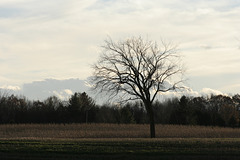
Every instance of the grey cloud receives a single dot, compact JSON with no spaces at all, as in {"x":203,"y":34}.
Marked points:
{"x":49,"y":87}
{"x":63,"y":89}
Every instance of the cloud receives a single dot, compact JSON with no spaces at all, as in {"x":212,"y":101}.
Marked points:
{"x":208,"y":92}
{"x":61,"y":39}
{"x":206,"y":46}
{"x":63,"y":94}
{"x":49,"y":87}
{"x":11,"y":88}
{"x":68,"y":91}
{"x":63,"y":89}
{"x":205,"y":92}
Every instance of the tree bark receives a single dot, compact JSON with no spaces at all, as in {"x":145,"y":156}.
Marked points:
{"x":151,"y":119}
{"x":152,"y":124}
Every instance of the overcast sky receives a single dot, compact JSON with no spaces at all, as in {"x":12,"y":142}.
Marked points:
{"x":60,"y":39}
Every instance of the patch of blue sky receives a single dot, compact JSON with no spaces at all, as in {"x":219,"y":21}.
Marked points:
{"x":10,"y":12}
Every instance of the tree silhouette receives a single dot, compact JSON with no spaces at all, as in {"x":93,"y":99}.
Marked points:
{"x":79,"y":106}
{"x":138,"y":69}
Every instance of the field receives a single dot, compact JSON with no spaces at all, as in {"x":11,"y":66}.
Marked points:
{"x":79,"y":131}
{"x":112,"y":141}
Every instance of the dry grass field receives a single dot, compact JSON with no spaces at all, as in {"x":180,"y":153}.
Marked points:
{"x":79,"y":131}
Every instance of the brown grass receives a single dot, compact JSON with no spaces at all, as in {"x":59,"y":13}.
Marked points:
{"x":77,"y":131}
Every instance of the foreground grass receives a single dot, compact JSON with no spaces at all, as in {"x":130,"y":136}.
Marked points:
{"x":113,"y":141}
{"x":121,"y":149}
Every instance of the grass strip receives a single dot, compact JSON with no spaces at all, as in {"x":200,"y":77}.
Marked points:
{"x":120,"y":148}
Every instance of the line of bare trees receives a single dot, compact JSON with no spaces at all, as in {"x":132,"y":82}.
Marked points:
{"x":80,"y":108}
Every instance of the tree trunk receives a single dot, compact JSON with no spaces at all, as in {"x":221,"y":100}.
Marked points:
{"x":152,"y":124}
{"x":86,"y":116}
{"x":151,"y":119}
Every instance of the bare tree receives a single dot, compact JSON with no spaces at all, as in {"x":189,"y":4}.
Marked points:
{"x":138,"y":69}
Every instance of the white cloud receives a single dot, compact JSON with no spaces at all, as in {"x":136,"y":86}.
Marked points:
{"x":207,"y":92}
{"x":63,"y":94}
{"x":59,"y":95}
{"x":88,"y":84}
{"x":60,"y":39}
{"x":68,"y":91}
{"x":12,"y":88}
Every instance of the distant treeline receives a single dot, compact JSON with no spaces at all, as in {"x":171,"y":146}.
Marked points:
{"x":80,"y":108}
